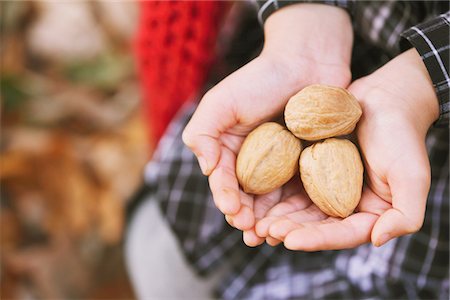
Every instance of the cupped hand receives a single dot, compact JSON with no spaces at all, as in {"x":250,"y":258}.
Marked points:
{"x":301,"y":225}
{"x":399,"y":105}
{"x":296,"y":53}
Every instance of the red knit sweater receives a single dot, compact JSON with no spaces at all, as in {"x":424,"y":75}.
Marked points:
{"x":175,"y":47}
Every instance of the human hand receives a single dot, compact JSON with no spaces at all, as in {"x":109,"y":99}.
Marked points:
{"x":399,"y":105}
{"x":296,"y":53}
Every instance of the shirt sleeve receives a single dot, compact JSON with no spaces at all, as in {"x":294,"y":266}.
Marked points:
{"x":267,"y":7}
{"x":431,"y":40}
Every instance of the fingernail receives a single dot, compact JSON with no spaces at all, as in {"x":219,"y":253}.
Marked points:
{"x":384,"y":238}
{"x":203,"y":165}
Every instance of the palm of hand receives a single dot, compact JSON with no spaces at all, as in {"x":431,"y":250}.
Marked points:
{"x":302,"y":226}
{"x":393,"y":198}
{"x":233,"y":123}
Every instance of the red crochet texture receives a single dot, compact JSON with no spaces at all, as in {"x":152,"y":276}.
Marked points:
{"x":175,"y":49}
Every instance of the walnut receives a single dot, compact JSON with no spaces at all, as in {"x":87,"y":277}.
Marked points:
{"x":332,"y":175}
{"x":267,"y":159}
{"x":321,"y":111}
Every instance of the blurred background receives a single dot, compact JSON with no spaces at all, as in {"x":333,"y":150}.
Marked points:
{"x":73,"y":146}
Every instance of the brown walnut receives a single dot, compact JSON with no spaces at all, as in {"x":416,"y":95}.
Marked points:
{"x":320,"y":111}
{"x":332,"y":175}
{"x":267,"y":159}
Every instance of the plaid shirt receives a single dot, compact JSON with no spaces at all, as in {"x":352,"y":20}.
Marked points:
{"x":413,"y":266}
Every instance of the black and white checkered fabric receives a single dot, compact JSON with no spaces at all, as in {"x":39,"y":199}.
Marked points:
{"x":411,"y":267}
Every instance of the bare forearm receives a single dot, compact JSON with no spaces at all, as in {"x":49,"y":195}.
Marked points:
{"x":407,"y":78}
{"x":317,"y":33}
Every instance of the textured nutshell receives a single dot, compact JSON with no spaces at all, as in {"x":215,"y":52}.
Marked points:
{"x":332,"y":174}
{"x":267,"y":159}
{"x":320,"y":111}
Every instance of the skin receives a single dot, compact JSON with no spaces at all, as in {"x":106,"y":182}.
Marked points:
{"x":399,"y":105}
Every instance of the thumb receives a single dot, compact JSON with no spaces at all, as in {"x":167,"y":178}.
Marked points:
{"x":218,"y":110}
{"x":203,"y":131}
{"x":247,"y":97}
{"x":409,"y":181}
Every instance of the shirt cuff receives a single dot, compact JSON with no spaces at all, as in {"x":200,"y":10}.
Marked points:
{"x":267,"y":7}
{"x":431,"y":40}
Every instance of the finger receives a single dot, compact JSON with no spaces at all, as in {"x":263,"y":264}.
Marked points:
{"x":339,"y":234}
{"x":286,"y":224}
{"x":224,"y":185}
{"x":263,"y":225}
{"x":202,"y":133}
{"x":281,"y":228}
{"x":233,"y":141}
{"x":229,"y":220}
{"x":409,"y":182}
{"x":264,"y":203}
{"x":244,"y":219}
{"x":251,"y":239}
{"x":290,"y":205}
{"x":220,"y":109}
{"x":272,"y":242}
{"x":310,"y":214}
{"x":372,"y":203}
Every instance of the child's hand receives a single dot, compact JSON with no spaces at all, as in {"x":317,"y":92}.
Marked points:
{"x":399,"y":105}
{"x":305,"y":44}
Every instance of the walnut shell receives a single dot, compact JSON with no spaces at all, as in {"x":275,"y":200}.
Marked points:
{"x":321,"y":111}
{"x":267,"y":159}
{"x":332,"y":174}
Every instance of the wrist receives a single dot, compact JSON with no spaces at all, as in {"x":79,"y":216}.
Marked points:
{"x":402,"y":89}
{"x":316,"y":31}
{"x":312,"y":41}
{"x":428,"y":99}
